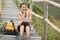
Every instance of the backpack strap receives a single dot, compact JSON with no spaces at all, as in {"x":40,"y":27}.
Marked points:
{"x":14,"y":27}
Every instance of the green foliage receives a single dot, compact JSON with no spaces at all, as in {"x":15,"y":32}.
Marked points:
{"x":38,"y":24}
{"x":39,"y":28}
{"x":37,"y":10}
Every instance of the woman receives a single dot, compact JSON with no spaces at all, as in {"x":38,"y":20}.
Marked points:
{"x":25,"y":18}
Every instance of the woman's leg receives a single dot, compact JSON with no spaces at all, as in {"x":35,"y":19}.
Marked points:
{"x":21,"y":30}
{"x":28,"y":31}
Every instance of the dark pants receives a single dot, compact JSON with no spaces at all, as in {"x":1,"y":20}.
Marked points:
{"x":25,"y":24}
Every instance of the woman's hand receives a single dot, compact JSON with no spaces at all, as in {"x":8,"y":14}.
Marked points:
{"x":23,"y":12}
{"x":29,"y":17}
{"x":19,"y":22}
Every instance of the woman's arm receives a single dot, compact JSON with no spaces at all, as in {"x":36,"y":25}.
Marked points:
{"x":21,"y":17}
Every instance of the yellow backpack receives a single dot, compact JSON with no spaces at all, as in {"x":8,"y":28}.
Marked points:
{"x":9,"y":26}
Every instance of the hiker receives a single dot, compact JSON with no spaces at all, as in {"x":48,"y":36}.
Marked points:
{"x":25,"y":17}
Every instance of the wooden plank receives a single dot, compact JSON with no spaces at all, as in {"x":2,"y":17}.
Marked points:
{"x":10,"y":37}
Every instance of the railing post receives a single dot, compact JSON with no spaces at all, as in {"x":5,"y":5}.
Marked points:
{"x":0,"y":7}
{"x":23,"y":1}
{"x":31,"y":4}
{"x":44,"y":35}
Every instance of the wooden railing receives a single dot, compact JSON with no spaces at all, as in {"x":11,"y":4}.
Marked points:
{"x":50,"y":2}
{"x":50,"y":23}
{"x":53,"y":3}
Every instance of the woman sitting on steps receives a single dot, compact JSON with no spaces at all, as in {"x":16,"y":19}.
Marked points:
{"x":25,"y":17}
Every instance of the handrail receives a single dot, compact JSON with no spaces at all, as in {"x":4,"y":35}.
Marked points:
{"x":53,"y":26}
{"x":53,"y":3}
{"x":50,"y":23}
{"x":49,"y":1}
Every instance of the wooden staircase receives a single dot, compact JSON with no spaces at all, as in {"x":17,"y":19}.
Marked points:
{"x":10,"y":12}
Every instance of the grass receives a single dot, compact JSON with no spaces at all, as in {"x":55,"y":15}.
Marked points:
{"x":54,"y":12}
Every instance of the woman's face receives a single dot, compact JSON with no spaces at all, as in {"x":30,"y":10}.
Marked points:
{"x":24,"y":7}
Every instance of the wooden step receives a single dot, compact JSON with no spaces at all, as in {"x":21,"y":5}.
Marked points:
{"x":10,"y":37}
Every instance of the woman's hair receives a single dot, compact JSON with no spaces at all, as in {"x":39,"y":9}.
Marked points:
{"x":22,"y":4}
